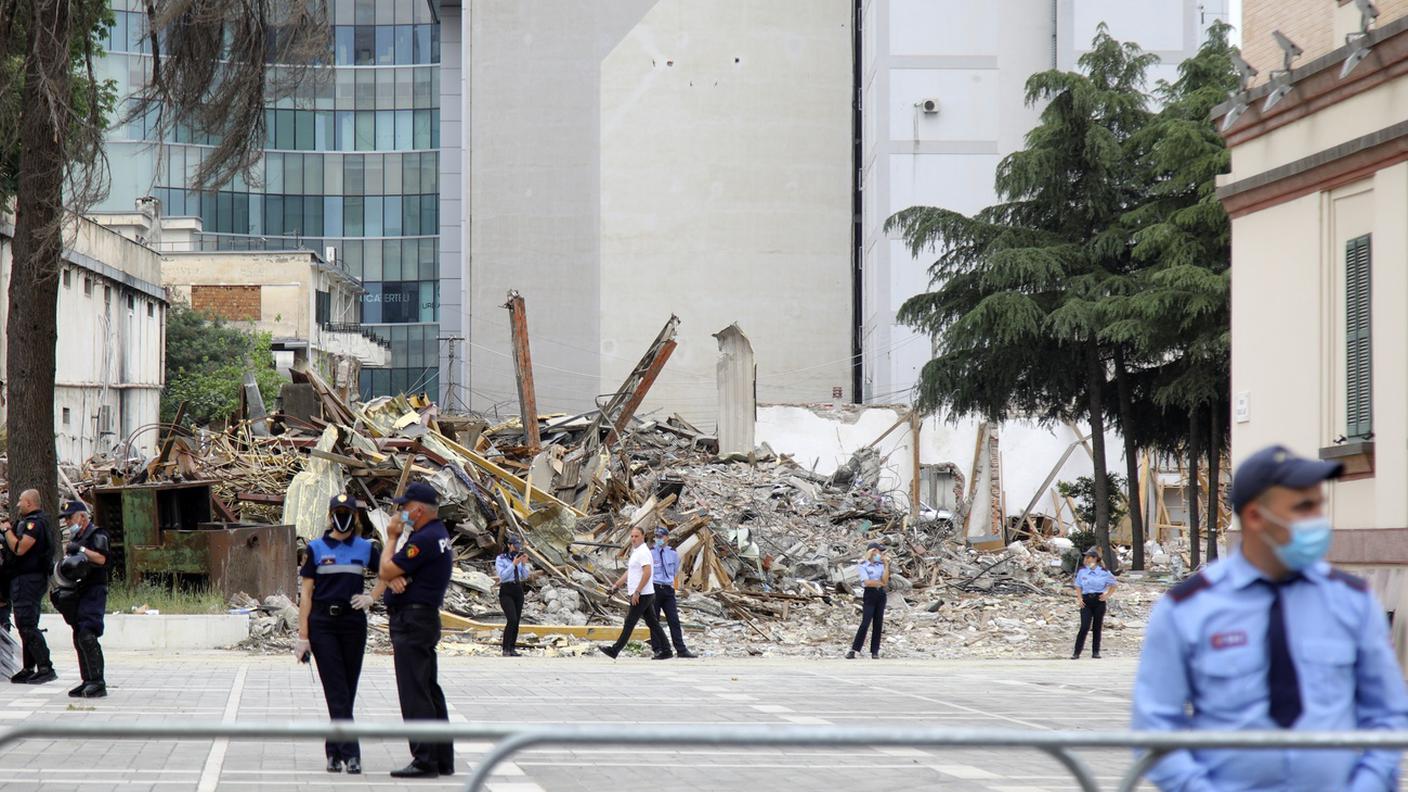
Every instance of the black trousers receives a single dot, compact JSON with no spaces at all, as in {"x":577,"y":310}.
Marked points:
{"x":645,"y":608}
{"x":511,"y":600}
{"x":872,"y":616}
{"x":414,"y":634}
{"x":25,"y":593}
{"x":665,"y":603}
{"x":339,"y":643}
{"x":1092,"y":618}
{"x":86,"y":619}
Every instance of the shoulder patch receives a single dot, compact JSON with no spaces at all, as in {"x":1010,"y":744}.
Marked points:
{"x":1188,"y":588}
{"x":412,"y":550}
{"x":1353,"y":581}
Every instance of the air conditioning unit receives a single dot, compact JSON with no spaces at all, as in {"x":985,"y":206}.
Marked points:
{"x":330,"y":254}
{"x":929,"y":106}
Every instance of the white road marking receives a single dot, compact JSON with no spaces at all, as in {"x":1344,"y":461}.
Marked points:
{"x":903,"y":752}
{"x":964,"y":771}
{"x":515,"y":787}
{"x":210,"y":774}
{"x":806,"y":720}
{"x":9,"y":714}
{"x":736,"y":696}
{"x":771,"y":708}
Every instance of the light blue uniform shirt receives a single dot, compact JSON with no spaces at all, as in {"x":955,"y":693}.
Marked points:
{"x":507,"y":573}
{"x":1094,"y":581}
{"x":871,"y":570}
{"x":1205,"y":646}
{"x":665,"y":564}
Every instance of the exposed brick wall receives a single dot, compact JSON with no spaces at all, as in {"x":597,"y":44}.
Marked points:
{"x":235,"y":303}
{"x":1309,"y":23}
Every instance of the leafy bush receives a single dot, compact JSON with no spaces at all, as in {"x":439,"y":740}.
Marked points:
{"x":206,"y":360}
{"x":1082,"y":491}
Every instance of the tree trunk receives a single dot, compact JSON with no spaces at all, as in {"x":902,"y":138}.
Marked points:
{"x":1214,"y":468}
{"x":1131,"y":461}
{"x":1095,"y":386}
{"x":1194,"y":549}
{"x":32,"y":326}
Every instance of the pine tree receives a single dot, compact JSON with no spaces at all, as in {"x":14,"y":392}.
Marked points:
{"x":1017,"y":305}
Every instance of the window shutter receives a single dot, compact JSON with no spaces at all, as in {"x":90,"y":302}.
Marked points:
{"x":1359,"y":380}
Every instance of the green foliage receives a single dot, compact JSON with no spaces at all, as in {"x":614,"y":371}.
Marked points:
{"x":1082,"y":492}
{"x":206,"y":361}
{"x":123,"y":596}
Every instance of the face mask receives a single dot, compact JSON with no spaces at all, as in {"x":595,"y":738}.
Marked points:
{"x":1310,"y":541}
{"x":406,"y":516}
{"x":342,"y":523}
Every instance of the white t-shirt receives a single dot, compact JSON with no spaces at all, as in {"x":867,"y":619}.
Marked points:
{"x":640,"y":558}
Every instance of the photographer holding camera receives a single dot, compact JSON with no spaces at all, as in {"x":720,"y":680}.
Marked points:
{"x":513,"y":570}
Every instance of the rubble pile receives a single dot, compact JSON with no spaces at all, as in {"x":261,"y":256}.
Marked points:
{"x":768,"y":549}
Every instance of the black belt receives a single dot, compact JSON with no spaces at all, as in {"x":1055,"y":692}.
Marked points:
{"x":334,"y":608}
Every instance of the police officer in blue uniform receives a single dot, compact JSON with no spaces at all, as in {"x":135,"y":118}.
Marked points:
{"x":32,"y":556}
{"x":665,"y":566}
{"x":1094,"y":585}
{"x":417,"y":576}
{"x":1272,"y":637}
{"x":90,"y":598}
{"x":874,"y":579}
{"x":332,"y":618}
{"x":513,"y":571}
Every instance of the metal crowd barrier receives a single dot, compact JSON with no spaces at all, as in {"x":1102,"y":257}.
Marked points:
{"x":512,"y":739}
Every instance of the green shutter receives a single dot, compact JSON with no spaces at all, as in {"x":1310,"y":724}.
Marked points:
{"x":1359,"y":380}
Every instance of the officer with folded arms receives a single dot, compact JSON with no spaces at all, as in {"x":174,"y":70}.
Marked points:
{"x":417,"y":576}
{"x":332,"y":618}
{"x":1272,"y":638}
{"x":32,"y":557}
{"x":88,"y":544}
{"x":513,"y":570}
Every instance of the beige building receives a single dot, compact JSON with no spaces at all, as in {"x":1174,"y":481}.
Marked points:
{"x":111,"y":341}
{"x":308,"y":306}
{"x":1318,"y":195}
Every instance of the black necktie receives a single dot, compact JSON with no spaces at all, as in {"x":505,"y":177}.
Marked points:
{"x":1282,"y":682}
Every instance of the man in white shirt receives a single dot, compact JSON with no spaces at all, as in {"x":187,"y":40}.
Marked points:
{"x":639,"y":585}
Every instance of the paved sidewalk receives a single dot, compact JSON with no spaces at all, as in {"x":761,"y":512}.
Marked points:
{"x":1038,"y":694}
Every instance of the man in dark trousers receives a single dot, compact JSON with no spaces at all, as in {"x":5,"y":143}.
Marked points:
{"x":417,"y":576}
{"x":665,"y":565}
{"x":640,"y":584}
{"x":91,"y":541}
{"x":875,"y":578}
{"x":31,"y":553}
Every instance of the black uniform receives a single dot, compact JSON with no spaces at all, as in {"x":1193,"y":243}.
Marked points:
{"x":90,"y":603}
{"x":337,"y":632}
{"x":29,"y":581}
{"x":415,"y":630}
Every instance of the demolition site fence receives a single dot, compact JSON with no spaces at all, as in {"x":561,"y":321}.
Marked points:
{"x":510,"y":740}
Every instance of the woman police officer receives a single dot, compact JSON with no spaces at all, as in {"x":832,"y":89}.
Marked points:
{"x":1094,"y":584}
{"x":332,"y":619}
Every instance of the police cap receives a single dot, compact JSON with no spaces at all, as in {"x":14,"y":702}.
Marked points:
{"x":419,"y":492}
{"x":1277,"y":466}
{"x":73,"y":507}
{"x":342,"y":502}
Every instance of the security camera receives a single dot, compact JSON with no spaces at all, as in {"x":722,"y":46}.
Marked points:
{"x":929,"y":106}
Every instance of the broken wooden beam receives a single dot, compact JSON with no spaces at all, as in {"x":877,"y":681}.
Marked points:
{"x":523,"y":369}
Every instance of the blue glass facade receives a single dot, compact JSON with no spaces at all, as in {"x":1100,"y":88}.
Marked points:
{"x":351,"y":163}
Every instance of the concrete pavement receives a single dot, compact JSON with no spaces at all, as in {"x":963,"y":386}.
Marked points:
{"x":1037,"y":694}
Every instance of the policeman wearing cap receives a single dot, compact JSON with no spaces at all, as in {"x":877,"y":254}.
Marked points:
{"x":90,"y":599}
{"x":332,"y":618}
{"x":874,"y":578}
{"x":664,"y":567}
{"x":1094,"y":585}
{"x":31,"y":556}
{"x":1272,"y":637}
{"x":513,"y":570}
{"x":417,"y":575}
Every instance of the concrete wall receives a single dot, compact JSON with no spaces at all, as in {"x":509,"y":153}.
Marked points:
{"x":637,"y":158}
{"x":286,"y":282}
{"x":111,"y":341}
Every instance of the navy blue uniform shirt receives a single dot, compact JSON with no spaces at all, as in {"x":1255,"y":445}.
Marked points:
{"x":1205,"y":667}
{"x":39,"y":559}
{"x":426,"y":559}
{"x":338,"y":569}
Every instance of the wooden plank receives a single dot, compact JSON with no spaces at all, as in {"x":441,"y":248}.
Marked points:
{"x":638,"y":395}
{"x":523,"y":369}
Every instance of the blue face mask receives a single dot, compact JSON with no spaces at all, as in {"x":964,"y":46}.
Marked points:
{"x":1310,"y":541}
{"x":406,"y":516}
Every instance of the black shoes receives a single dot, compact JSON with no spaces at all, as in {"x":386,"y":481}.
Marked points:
{"x":662,"y":656}
{"x":89,"y":690}
{"x":22,"y":676}
{"x":447,"y":770}
{"x":41,"y":676}
{"x":685,"y":653}
{"x":851,"y":655}
{"x":511,"y":653}
{"x":874,"y":655}
{"x":78,"y":691}
{"x":354,"y":766}
{"x":609,"y":651}
{"x":334,"y":765}
{"x":414,"y":770}
{"x":1095,"y":656}
{"x":1075,"y":656}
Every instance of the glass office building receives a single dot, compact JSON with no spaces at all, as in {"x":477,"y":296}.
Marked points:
{"x":351,"y":170}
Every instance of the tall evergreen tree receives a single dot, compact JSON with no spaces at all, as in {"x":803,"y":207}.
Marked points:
{"x":1016,"y":310}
